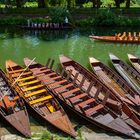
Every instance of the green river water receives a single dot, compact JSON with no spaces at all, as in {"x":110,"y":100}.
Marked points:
{"x":16,"y":44}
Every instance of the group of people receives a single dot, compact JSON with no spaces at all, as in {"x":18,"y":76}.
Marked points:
{"x":128,"y":36}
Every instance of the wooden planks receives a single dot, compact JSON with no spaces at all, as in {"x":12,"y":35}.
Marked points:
{"x":35,"y":93}
{"x":40,"y":100}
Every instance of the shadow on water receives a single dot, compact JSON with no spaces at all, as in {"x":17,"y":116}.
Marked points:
{"x":11,"y":32}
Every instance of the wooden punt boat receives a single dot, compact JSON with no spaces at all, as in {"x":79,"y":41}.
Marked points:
{"x":135,"y":40}
{"x":39,"y":98}
{"x":116,"y":83}
{"x":127,"y":72}
{"x":135,"y":61}
{"x":80,"y":101}
{"x":12,"y":107}
{"x":112,"y":101}
{"x":46,"y":26}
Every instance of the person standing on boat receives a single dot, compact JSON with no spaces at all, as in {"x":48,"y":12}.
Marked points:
{"x":28,"y":22}
{"x":66,"y":23}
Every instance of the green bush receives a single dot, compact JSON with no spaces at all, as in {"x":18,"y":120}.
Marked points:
{"x":31,"y":4}
{"x":58,"y":14}
{"x":105,"y":18}
{"x":12,"y":21}
{"x":85,"y":22}
{"x":39,"y":20}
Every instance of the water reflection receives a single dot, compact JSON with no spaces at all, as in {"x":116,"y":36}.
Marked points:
{"x":17,"y":44}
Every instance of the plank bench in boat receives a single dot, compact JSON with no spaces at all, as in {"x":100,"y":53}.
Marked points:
{"x":77,"y":97}
{"x":51,"y":79}
{"x":26,"y":78}
{"x":57,"y":83}
{"x":90,"y":111}
{"x":61,"y":88}
{"x":67,"y":93}
{"x":18,"y":74}
{"x":84,"y":103}
{"x":39,"y":99}
{"x":32,"y":88}
{"x":94,"y":107}
{"x":42,"y":71}
{"x":28,"y":83}
{"x":35,"y":93}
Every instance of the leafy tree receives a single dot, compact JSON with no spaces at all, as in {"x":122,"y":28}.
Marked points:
{"x":41,"y":4}
{"x":94,"y":3}
{"x":18,"y":3}
{"x":117,"y":2}
{"x":127,"y":3}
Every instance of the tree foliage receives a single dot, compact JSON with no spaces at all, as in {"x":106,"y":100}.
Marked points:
{"x":72,"y":3}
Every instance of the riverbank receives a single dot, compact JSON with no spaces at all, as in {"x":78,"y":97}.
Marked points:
{"x":82,"y":17}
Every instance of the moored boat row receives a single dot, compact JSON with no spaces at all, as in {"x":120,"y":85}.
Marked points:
{"x":46,"y":26}
{"x":105,"y":99}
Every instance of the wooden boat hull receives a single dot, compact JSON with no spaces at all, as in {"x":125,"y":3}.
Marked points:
{"x":71,"y":64}
{"x":117,"y":84}
{"x":18,"y":116}
{"x":127,"y":72}
{"x":112,"y":39}
{"x":57,"y":117}
{"x":135,"y":61}
{"x":111,"y":124}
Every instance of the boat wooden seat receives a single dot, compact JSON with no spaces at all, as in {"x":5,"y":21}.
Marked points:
{"x":52,"y":79}
{"x":67,"y":93}
{"x":84,"y":103}
{"x":18,"y":74}
{"x":40,"y":99}
{"x":50,"y":74}
{"x":26,"y":78}
{"x":32,"y":88}
{"x":28,"y":83}
{"x":50,"y":107}
{"x":57,"y":83}
{"x":42,"y":71}
{"x":35,"y":93}
{"x":34,"y":69}
{"x":92,"y":110}
{"x":16,"y":71}
{"x":42,"y":68}
{"x":7,"y":102}
{"x":63,"y":87}
{"x":15,"y":98}
{"x":75,"y":98}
